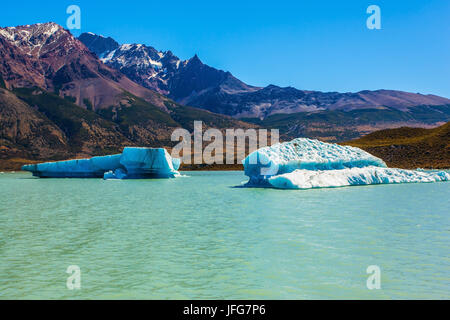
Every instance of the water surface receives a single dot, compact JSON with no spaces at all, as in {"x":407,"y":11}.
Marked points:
{"x":197,"y":237}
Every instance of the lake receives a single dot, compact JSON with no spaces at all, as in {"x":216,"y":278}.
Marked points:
{"x":199,"y":237}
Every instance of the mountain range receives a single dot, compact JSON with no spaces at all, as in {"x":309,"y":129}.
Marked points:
{"x":62,"y":97}
{"x":194,"y":83}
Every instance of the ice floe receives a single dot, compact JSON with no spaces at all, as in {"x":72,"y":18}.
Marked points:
{"x":306,"y":179}
{"x":306,"y":163}
{"x":132,"y":163}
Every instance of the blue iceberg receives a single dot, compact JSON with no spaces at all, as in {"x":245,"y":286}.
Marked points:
{"x":132,"y":163}
{"x":306,"y":163}
{"x":139,"y":163}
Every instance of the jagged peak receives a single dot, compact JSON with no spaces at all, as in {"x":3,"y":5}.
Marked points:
{"x":91,"y":34}
{"x":136,"y":46}
{"x":47,"y":27}
{"x":26,"y":32}
{"x":30,"y":39}
{"x":195,"y":59}
{"x":94,"y":35}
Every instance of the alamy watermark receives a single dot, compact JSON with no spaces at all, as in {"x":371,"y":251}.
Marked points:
{"x":74,"y":280}
{"x":212,"y":147}
{"x":374,"y":280}
{"x":74,"y":20}
{"x":374,"y":20}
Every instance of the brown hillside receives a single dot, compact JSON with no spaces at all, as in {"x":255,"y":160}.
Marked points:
{"x":409,"y":147}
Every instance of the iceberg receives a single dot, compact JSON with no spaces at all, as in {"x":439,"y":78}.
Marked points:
{"x":307,"y":179}
{"x":80,"y":168}
{"x":139,"y":163}
{"x":305,"y":163}
{"x":132,"y":163}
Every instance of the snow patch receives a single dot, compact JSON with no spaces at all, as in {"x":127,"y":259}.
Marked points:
{"x":108,"y":57}
{"x":6,"y":34}
{"x":125,"y":47}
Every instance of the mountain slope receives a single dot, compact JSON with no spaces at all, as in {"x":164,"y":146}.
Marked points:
{"x":83,"y":131}
{"x":273,"y":100}
{"x":25,"y":132}
{"x":409,"y":147}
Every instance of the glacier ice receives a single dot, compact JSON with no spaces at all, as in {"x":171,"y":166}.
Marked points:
{"x":302,"y":153}
{"x":132,"y":163}
{"x":79,"y":168}
{"x":306,"y":179}
{"x":145,"y":162}
{"x":305,"y":163}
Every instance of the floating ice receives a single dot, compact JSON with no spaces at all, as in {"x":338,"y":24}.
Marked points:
{"x":306,"y":179}
{"x":80,"y":168}
{"x":307,"y":154}
{"x":145,"y":163}
{"x":116,"y":174}
{"x":305,"y":163}
{"x":133,"y":163}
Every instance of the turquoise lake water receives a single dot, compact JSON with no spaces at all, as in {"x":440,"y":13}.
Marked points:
{"x":198,"y":237}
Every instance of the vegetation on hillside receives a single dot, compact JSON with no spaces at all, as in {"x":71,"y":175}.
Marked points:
{"x":135,"y":122}
{"x":409,"y":147}
{"x":69,"y":117}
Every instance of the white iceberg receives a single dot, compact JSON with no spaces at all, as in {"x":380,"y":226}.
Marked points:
{"x":307,"y":179}
{"x":133,"y":163}
{"x":306,"y":163}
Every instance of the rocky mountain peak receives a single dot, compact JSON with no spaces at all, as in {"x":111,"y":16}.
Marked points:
{"x":195,"y":60}
{"x":39,"y":39}
{"x":48,"y":56}
{"x":98,"y":43}
{"x":165,"y":72}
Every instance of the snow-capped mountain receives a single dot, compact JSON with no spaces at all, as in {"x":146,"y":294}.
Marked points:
{"x":191,"y":82}
{"x":33,"y":52}
{"x":144,"y":64}
{"x":47,"y":56}
{"x":181,"y":80}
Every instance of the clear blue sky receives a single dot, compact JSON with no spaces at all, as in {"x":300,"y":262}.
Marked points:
{"x":315,"y":45}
